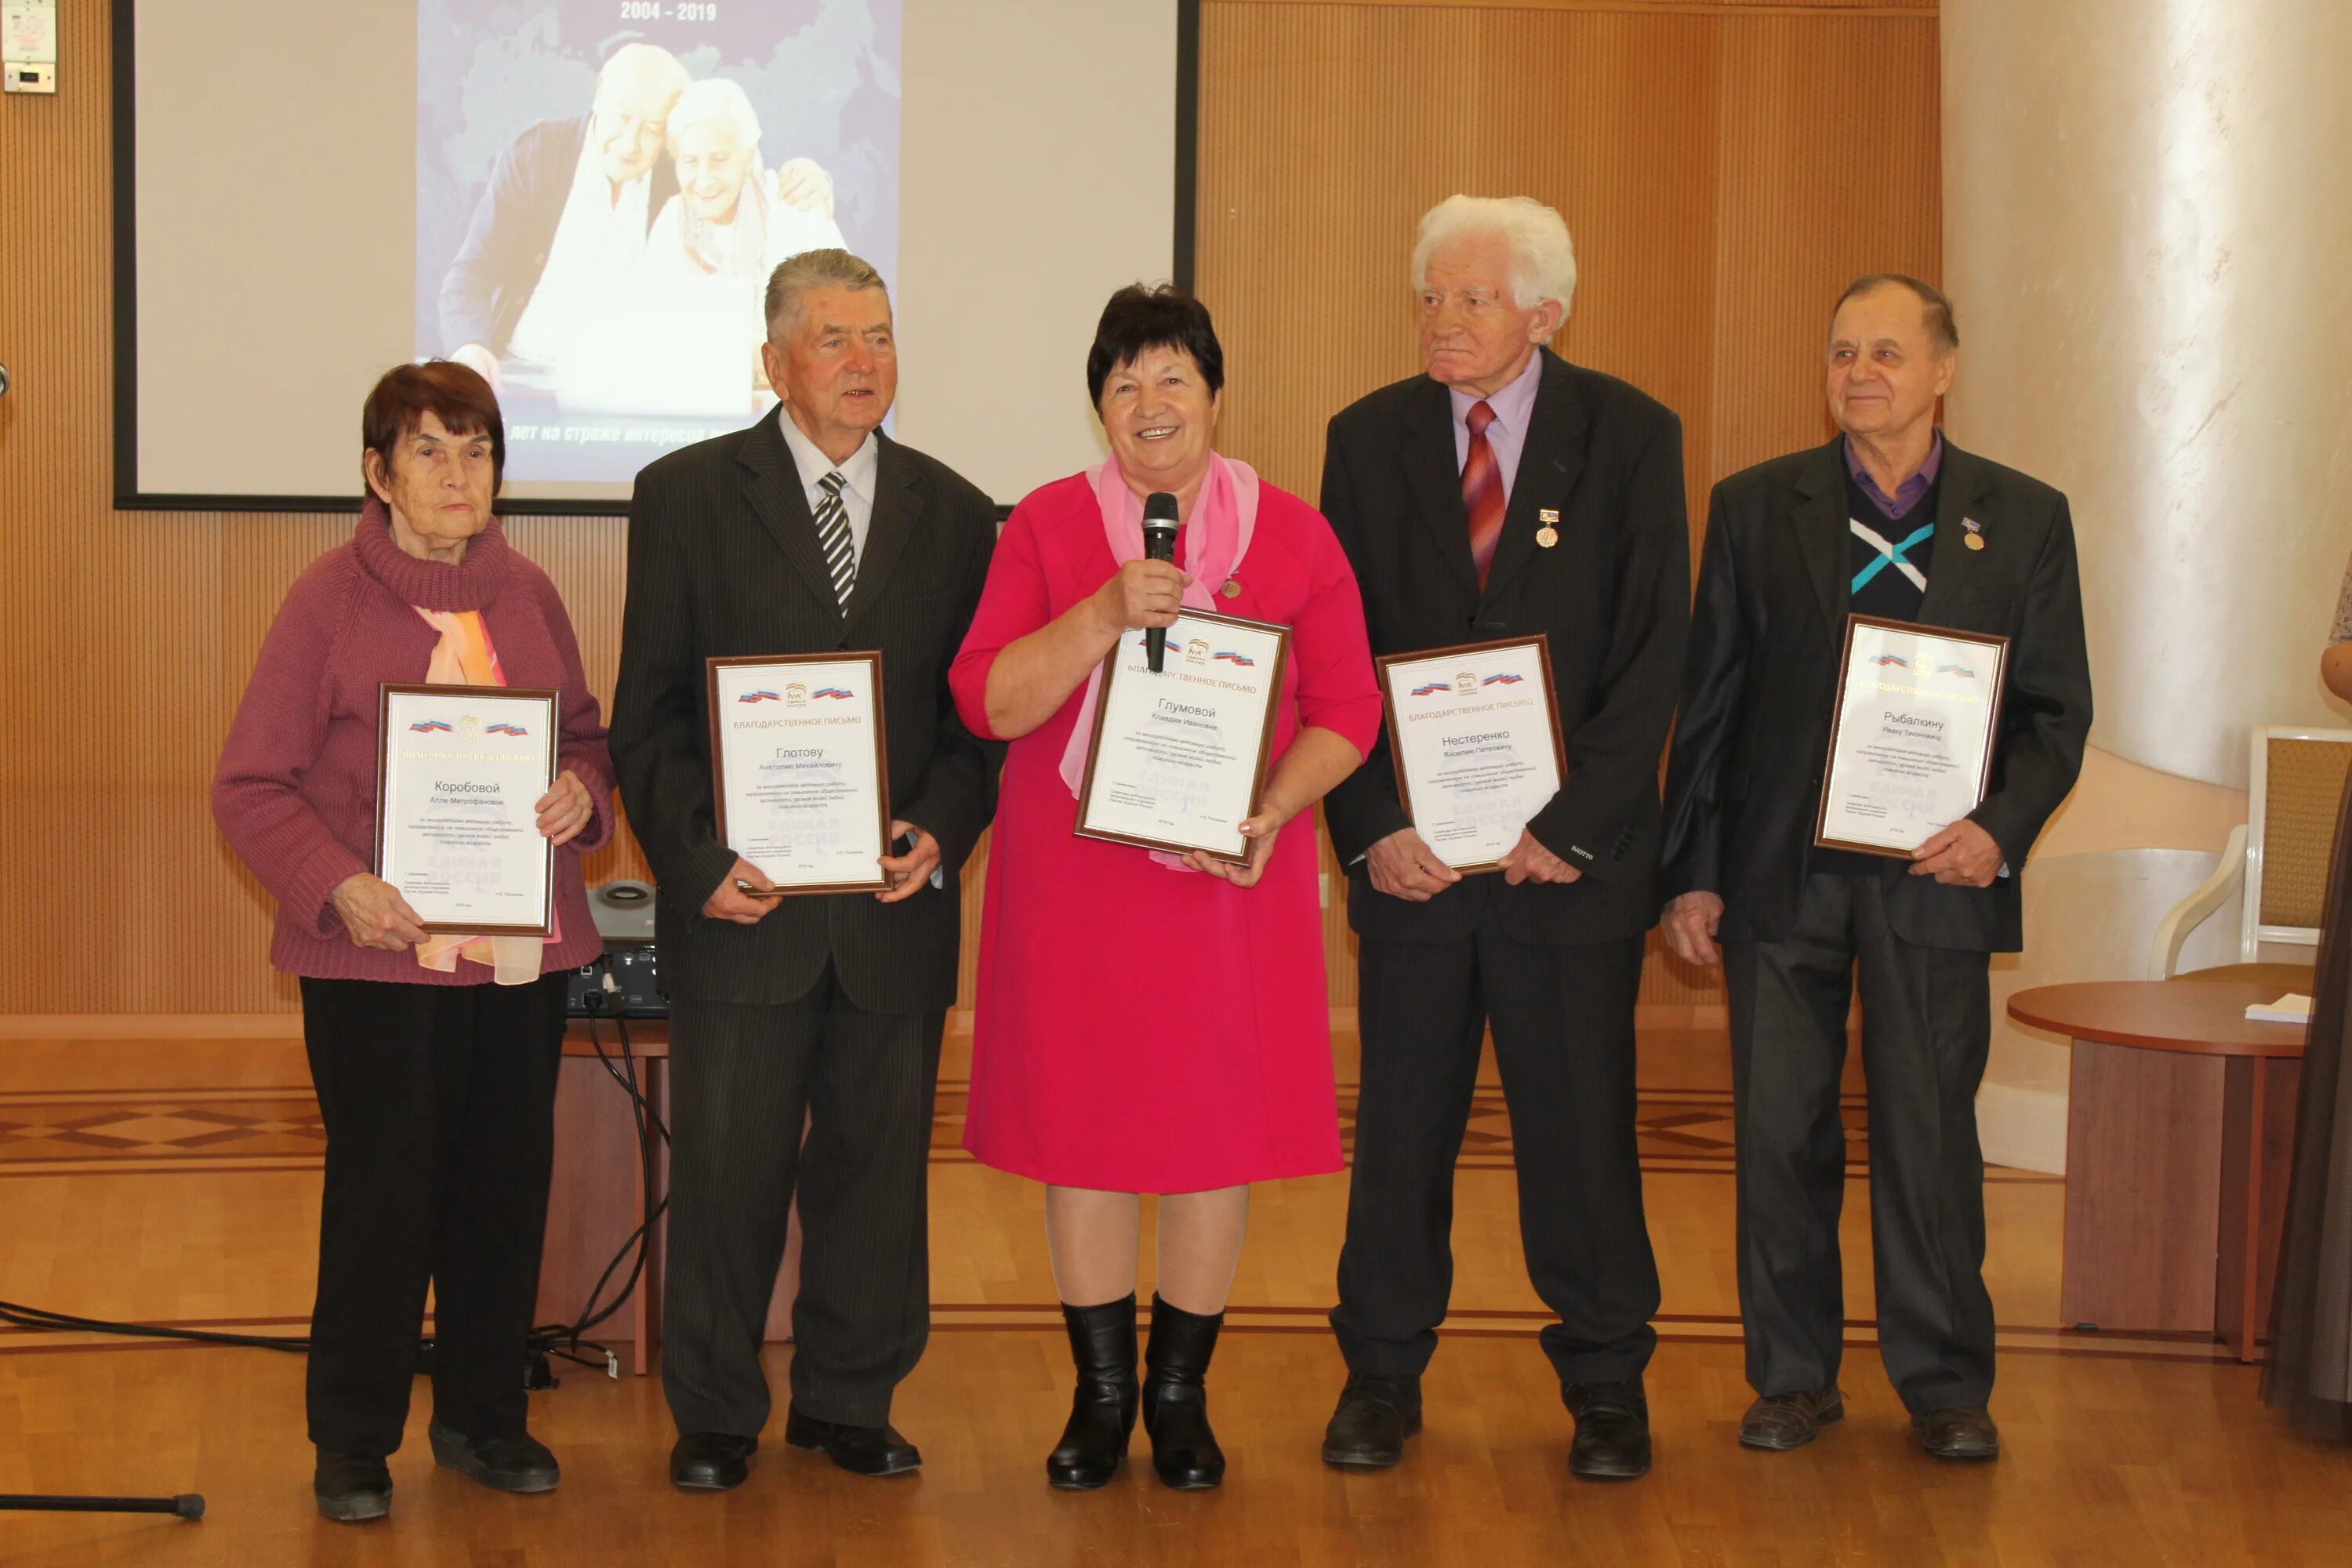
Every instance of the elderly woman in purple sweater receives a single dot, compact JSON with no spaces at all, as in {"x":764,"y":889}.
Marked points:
{"x":434,"y":1057}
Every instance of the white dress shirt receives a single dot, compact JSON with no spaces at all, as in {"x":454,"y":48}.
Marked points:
{"x":858,"y":472}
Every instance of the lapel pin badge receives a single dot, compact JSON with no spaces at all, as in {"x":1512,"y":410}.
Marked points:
{"x":1975,"y":532}
{"x":1547,"y":535}
{"x":1233,"y":588}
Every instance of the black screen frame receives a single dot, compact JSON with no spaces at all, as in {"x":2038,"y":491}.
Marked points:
{"x":128,"y":497}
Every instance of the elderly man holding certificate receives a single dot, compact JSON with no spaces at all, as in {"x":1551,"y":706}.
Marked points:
{"x":793,"y":765}
{"x":1520,"y":527}
{"x":1887,"y":696}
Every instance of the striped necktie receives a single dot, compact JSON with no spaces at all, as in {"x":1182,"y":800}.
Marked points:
{"x":833,"y":538}
{"x":1481,"y":491}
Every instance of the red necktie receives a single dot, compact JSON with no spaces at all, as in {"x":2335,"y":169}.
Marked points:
{"x":1481,"y":491}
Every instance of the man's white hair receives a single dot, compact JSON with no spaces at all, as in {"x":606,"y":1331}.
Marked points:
{"x":1543,"y":259}
{"x":716,"y":102}
{"x":649,"y":64}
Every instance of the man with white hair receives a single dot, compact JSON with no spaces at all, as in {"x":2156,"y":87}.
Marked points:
{"x":1506,"y":493}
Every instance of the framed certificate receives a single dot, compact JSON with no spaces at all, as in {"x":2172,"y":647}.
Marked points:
{"x":1912,"y":735}
{"x":799,"y":768}
{"x":1474,"y":734}
{"x":459,"y":774}
{"x":1178,"y":760}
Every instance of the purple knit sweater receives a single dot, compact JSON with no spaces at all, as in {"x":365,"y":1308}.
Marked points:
{"x":295,"y":792}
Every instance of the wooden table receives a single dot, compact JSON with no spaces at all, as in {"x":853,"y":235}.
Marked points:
{"x":2179,"y":1137}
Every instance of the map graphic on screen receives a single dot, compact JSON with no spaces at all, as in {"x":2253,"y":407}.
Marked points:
{"x":603,"y":187}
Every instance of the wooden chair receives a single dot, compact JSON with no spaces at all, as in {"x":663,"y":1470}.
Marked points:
{"x":2279,"y":856}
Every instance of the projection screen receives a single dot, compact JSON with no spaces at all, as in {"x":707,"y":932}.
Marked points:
{"x":583,"y":198}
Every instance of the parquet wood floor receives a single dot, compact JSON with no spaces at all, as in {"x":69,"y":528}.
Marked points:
{"x":177,"y":1181}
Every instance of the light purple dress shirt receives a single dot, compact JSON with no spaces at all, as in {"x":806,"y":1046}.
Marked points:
{"x":1907,"y":494}
{"x":1507,"y":436}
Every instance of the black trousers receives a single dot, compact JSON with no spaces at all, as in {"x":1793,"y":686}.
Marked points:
{"x":1927,"y":1025}
{"x":439,"y":1103}
{"x":1563,"y":1023}
{"x":742,"y":1078}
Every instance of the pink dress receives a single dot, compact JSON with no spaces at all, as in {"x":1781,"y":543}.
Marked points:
{"x":1142,"y":1029}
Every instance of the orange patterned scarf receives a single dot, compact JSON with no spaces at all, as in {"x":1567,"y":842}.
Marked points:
{"x":464,"y":657}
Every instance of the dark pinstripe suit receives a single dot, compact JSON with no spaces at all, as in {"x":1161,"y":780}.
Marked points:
{"x":832,"y":1003}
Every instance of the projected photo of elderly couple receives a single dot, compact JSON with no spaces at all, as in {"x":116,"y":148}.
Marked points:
{"x":605,"y":185}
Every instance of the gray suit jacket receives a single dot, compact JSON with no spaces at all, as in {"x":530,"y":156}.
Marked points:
{"x":1766,"y":635}
{"x":723,"y":560}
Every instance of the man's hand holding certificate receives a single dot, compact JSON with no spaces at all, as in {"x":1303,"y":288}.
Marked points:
{"x":800,"y":771}
{"x":1474,"y":731}
{"x":1911,"y":744}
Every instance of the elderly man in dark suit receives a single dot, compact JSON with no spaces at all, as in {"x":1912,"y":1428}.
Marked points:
{"x":810,"y":532}
{"x":1889,"y":519}
{"x":1504,"y":493}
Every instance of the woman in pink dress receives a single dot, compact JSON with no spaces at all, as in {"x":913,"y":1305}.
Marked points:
{"x":1147,"y":1023}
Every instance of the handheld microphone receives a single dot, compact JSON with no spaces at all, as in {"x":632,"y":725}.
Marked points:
{"x":1159,"y":544}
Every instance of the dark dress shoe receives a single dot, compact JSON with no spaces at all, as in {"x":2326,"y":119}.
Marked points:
{"x":1613,"y":1430}
{"x":1102,"y":1413}
{"x":860,"y":1450}
{"x":350,"y":1488}
{"x":520,"y":1463}
{"x":1962,"y":1432}
{"x":1376,"y":1415}
{"x":1184,"y":1452}
{"x":1783,"y":1421}
{"x":711,"y":1461}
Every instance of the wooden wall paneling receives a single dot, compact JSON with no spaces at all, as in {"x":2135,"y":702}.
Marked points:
{"x":1830,"y":169}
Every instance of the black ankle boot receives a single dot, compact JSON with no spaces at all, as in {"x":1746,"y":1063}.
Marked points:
{"x":1175,"y":1404}
{"x":1102,"y":1414}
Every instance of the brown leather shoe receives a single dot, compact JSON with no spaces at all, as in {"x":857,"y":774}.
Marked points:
{"x":1783,"y":1421}
{"x":1962,"y":1432}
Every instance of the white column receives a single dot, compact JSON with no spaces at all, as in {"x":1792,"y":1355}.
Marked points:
{"x":2148,"y":240}
{"x":2149,"y":247}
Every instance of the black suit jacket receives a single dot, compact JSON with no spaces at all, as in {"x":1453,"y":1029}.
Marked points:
{"x":1613,"y":596}
{"x":723,"y":560}
{"x":1745,"y":784}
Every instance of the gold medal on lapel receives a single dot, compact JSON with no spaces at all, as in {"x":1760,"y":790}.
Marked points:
{"x":1975,"y":532}
{"x":1976,"y":542}
{"x":1547,"y":536}
{"x":1233,"y":588}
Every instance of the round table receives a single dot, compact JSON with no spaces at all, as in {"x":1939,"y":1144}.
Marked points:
{"x":2179,"y":1136}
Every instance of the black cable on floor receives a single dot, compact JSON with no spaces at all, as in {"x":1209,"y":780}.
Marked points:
{"x":563,"y":1340}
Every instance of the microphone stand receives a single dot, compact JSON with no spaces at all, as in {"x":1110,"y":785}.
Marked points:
{"x":187,"y":1505}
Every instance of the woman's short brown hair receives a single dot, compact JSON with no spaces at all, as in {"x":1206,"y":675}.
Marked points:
{"x":457,"y":394}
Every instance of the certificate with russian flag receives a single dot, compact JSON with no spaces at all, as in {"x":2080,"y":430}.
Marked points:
{"x":1474,"y":733}
{"x":459,"y":774}
{"x":800,"y":768}
{"x":1911,"y":737}
{"x":1177,"y":760}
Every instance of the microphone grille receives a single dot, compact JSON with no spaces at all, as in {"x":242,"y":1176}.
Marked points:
{"x":1159,"y":506}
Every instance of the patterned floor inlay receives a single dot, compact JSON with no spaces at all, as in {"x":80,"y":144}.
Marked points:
{"x":162,"y":1131}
